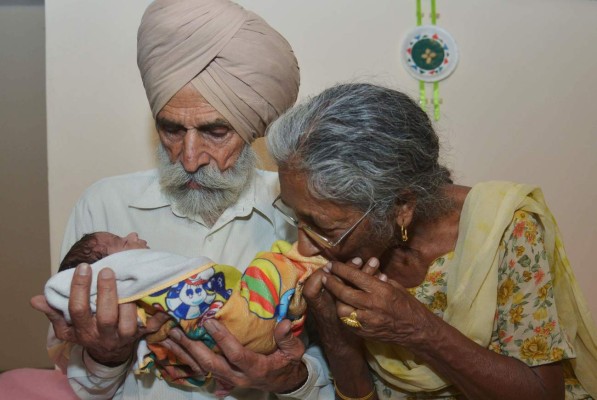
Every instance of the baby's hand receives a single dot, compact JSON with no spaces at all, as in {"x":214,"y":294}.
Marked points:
{"x":298,"y":305}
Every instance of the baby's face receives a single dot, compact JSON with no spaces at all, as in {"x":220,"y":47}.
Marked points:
{"x":114,"y":244}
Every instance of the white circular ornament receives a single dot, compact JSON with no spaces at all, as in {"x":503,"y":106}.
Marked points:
{"x":429,"y":53}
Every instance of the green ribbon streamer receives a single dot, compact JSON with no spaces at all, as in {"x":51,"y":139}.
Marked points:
{"x":419,"y":14}
{"x":422,"y":94}
{"x":433,"y":13}
{"x":436,"y":100}
{"x":435,"y":84}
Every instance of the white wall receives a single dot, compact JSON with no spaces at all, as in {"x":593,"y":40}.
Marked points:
{"x":520,"y":105}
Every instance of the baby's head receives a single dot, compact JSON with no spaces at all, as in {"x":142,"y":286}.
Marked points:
{"x":95,"y":246}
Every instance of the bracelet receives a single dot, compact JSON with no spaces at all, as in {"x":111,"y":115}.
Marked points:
{"x":344,"y":397}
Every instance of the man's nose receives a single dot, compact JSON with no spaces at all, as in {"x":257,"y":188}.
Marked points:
{"x":194,"y":154}
{"x":306,"y":246}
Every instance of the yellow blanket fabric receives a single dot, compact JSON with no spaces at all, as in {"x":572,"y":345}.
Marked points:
{"x":250,"y":305}
{"x":472,"y":287}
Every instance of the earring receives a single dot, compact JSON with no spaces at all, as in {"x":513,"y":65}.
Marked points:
{"x":404,"y":233}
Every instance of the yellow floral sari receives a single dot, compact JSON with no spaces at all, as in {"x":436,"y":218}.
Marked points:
{"x":473,"y":287}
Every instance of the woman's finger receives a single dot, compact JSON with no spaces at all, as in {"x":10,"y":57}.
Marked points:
{"x":371,"y":266}
{"x":343,"y":309}
{"x":345,"y":293}
{"x":356,"y":262}
{"x":381,"y":276}
{"x":355,"y":277}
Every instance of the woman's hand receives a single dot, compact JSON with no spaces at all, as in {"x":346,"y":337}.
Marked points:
{"x":385,"y":310}
{"x":109,"y":336}
{"x":343,"y":348}
{"x":281,"y":371}
{"x":322,"y":306}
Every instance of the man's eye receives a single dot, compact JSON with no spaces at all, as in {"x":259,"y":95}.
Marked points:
{"x":218,"y":132}
{"x":174,"y":131}
{"x":170,"y":130}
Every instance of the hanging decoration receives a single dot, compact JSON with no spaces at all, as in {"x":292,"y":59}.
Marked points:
{"x":429,"y":54}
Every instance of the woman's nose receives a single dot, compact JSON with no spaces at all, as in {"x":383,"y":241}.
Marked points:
{"x":306,"y":246}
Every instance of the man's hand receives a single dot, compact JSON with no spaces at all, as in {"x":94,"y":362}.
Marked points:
{"x":281,"y":371}
{"x":109,"y":336}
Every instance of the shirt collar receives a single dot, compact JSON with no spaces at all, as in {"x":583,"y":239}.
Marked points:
{"x":257,"y":196}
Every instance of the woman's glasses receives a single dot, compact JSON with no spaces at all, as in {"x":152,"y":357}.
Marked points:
{"x":290,"y":217}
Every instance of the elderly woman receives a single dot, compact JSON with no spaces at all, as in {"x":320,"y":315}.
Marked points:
{"x":465,"y":292}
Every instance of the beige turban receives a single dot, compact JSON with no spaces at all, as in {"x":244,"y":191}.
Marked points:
{"x":241,"y":65}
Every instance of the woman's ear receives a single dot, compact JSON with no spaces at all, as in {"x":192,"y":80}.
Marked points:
{"x":405,"y":213}
{"x":404,"y":216}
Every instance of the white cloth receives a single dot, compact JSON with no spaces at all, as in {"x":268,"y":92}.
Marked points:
{"x":134,"y":202}
{"x":138,"y":272}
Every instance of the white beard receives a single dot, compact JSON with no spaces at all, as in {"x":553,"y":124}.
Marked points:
{"x":218,"y":190}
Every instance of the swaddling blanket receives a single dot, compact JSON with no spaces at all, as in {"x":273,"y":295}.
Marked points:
{"x":192,"y":290}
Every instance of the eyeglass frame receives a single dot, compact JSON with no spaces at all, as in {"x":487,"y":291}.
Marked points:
{"x":319,"y":238}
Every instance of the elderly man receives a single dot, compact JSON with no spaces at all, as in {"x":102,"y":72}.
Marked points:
{"x":215,"y":75}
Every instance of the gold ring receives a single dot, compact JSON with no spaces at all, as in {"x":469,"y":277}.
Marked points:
{"x":352,"y":320}
{"x":206,"y":377}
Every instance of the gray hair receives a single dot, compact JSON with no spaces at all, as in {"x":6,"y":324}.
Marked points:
{"x":360,"y":144}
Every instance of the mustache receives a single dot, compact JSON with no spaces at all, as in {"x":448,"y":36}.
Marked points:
{"x":217,"y":190}
{"x":208,"y":177}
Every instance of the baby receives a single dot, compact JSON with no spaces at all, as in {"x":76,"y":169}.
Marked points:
{"x":93,"y":247}
{"x":192,"y":290}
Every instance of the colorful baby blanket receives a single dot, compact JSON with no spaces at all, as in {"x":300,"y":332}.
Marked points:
{"x":192,"y":290}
